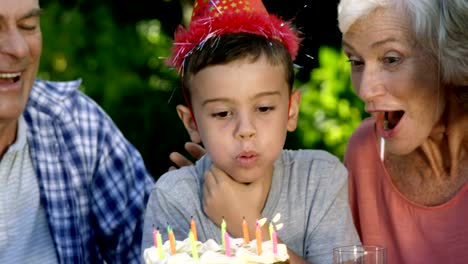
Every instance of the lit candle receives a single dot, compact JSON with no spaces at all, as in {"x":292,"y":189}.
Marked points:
{"x":258,"y":237}
{"x":155,"y":240}
{"x":160,"y":245}
{"x":172,"y":242}
{"x":194,"y":229}
{"x":193,"y":246}
{"x":245,"y":230}
{"x":223,"y":230}
{"x":228,"y":244}
{"x":274,"y":240}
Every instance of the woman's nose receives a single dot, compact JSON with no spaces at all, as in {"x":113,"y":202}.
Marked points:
{"x":371,"y":84}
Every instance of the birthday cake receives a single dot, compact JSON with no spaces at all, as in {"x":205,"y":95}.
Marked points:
{"x":211,"y":252}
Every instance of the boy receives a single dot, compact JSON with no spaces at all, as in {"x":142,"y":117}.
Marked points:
{"x":237,"y":81}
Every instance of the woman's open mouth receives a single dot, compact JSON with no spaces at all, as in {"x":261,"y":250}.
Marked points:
{"x":390,"y":120}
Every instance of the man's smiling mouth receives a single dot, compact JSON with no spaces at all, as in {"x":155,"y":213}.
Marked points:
{"x":10,"y":77}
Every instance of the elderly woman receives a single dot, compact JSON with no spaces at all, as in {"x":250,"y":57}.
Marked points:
{"x":408,"y":163}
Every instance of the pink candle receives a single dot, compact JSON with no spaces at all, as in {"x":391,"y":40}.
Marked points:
{"x":275,"y":242}
{"x":228,"y":244}
{"x":155,"y":240}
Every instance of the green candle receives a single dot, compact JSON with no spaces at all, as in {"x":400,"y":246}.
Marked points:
{"x":193,"y":246}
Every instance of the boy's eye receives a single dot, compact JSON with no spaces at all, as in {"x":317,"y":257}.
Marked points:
{"x":264,"y":109}
{"x":222,"y":114}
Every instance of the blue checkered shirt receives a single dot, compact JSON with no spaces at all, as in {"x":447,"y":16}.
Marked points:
{"x":93,"y":183}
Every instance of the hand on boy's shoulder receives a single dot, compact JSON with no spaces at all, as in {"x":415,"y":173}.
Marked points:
{"x":194,"y":149}
{"x":226,"y":198}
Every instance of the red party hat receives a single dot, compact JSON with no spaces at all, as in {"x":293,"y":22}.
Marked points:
{"x":211,"y":18}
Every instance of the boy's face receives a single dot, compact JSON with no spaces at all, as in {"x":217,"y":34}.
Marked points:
{"x":242,"y":116}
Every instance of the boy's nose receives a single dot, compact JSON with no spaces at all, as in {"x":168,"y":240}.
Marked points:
{"x":247,"y":134}
{"x":246,"y":128}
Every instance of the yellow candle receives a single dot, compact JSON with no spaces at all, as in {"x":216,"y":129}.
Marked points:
{"x":193,"y":246}
{"x":193,"y":228}
{"x":160,"y":245}
{"x":271,"y":231}
{"x":258,"y":237}
{"x":223,"y":230}
{"x":245,"y":230}
{"x":172,"y":242}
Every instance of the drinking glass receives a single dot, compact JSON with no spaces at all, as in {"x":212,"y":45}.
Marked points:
{"x":357,"y":254}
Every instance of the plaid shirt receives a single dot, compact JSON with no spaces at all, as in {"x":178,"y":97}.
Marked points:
{"x":93,"y":183}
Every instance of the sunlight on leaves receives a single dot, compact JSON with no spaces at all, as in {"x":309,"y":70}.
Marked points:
{"x":329,"y":111}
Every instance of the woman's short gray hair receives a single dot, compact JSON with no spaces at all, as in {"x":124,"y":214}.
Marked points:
{"x":439,"y":25}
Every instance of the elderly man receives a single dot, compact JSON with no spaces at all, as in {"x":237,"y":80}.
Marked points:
{"x":73,"y":189}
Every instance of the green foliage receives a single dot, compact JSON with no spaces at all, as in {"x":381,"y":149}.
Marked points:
{"x":329,"y":111}
{"x":123,"y":69}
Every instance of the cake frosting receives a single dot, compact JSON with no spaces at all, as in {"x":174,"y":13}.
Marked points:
{"x":211,"y":252}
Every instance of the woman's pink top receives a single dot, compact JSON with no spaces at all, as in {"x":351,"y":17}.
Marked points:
{"x":383,"y":216}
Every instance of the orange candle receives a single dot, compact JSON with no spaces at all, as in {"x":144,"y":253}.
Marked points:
{"x":258,"y":237}
{"x":194,"y":229}
{"x":172,"y":242}
{"x":245,"y":230}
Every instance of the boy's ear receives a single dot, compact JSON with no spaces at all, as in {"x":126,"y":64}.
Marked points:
{"x":294,"y":102}
{"x":189,"y":122}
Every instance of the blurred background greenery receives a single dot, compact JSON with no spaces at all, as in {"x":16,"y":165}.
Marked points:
{"x":118,"y":49}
